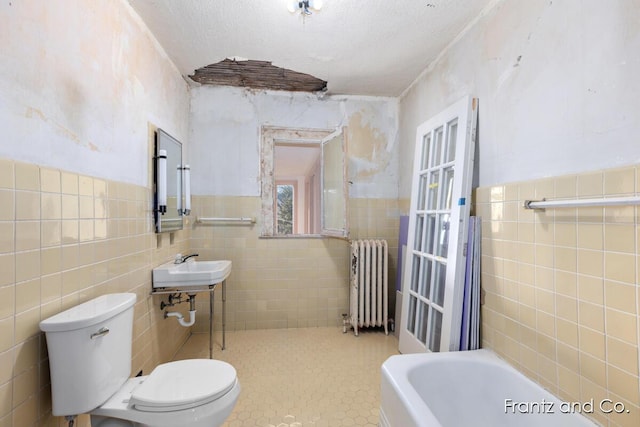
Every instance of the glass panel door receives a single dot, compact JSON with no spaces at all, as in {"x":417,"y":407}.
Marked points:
{"x":438,"y":220}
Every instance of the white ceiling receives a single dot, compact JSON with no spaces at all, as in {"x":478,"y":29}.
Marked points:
{"x":360,"y":47}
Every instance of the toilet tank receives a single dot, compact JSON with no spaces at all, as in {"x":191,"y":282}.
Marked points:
{"x":89,"y":352}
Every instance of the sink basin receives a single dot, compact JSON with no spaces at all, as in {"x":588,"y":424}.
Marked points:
{"x":190,"y":274}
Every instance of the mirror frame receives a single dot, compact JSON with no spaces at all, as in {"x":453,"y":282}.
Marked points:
{"x":171,"y":220}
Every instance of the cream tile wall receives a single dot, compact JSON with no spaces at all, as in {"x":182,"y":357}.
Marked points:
{"x":284,"y":282}
{"x":561,"y":301}
{"x":64,"y":239}
{"x":274,"y":283}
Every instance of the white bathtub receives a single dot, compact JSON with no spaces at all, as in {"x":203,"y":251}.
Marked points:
{"x":470,"y":388}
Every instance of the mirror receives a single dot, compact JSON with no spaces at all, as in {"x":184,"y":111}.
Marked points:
{"x":168,"y":183}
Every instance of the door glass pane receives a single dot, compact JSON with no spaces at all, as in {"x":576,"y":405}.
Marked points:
{"x":435,"y":330}
{"x":430,"y":233}
{"x":411,"y":325}
{"x":418,"y":243}
{"x":426,"y":146}
{"x":447,"y":189}
{"x":452,"y":137}
{"x":425,"y":286}
{"x":422,"y":193}
{"x":442,"y":243}
{"x":423,"y":320}
{"x":439,"y":283}
{"x":415,"y":273}
{"x":437,"y":145}
{"x":434,"y":182}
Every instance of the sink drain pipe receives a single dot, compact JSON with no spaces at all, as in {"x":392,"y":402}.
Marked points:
{"x":180,"y":317}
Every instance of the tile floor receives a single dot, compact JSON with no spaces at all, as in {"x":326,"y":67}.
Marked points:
{"x":316,"y":377}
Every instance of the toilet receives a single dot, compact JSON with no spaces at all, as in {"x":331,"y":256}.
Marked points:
{"x":90,"y":362}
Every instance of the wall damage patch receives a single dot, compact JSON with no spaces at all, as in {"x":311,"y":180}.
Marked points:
{"x":368,"y":154}
{"x":257,"y":75}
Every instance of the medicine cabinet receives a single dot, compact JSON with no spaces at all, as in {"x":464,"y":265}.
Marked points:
{"x":172,"y":182}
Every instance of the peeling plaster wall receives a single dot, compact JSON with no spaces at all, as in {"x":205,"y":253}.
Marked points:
{"x":225,"y":133}
{"x":558,"y":90}
{"x":287,"y":283}
{"x":79,"y":83}
{"x":557,"y":83}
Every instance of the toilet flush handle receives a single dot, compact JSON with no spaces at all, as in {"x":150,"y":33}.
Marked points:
{"x":101,"y":332}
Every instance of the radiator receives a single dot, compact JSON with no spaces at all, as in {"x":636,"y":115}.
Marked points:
{"x":369,"y":300}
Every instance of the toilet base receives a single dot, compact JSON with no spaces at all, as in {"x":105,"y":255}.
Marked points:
{"x":117,"y":412}
{"x":97,"y":421}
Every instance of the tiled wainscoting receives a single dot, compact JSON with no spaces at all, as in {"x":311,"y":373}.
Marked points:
{"x":284,"y":282}
{"x":562,"y":298}
{"x":64,"y":239}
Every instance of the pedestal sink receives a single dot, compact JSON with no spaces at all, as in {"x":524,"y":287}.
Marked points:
{"x":192,"y":277}
{"x":190,"y":274}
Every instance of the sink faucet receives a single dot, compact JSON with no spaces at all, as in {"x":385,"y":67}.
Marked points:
{"x":180,"y":259}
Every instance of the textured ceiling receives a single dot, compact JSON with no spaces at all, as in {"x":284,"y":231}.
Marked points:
{"x":360,"y":47}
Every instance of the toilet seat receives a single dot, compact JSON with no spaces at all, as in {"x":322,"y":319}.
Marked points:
{"x":183,"y":384}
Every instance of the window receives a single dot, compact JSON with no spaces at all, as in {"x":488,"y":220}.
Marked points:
{"x":285,"y":208}
{"x":298,"y":167}
{"x":303,"y":182}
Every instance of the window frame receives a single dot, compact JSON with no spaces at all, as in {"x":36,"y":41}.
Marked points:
{"x":341,"y":231}
{"x":269,"y":136}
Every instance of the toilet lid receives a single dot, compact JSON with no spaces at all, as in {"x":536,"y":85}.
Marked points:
{"x":183,"y":384}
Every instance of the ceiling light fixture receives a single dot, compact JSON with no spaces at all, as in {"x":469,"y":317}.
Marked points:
{"x":304,"y":6}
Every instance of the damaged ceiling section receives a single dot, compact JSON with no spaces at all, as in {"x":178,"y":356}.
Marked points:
{"x":257,"y":75}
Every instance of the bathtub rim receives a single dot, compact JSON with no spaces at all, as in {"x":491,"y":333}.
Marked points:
{"x":400,"y":401}
{"x":396,"y":370}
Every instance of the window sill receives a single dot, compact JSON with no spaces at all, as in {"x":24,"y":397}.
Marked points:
{"x":294,"y":236}
{"x":305,"y":236}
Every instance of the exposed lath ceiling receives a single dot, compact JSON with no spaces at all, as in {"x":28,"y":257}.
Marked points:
{"x":257,"y":75}
{"x":372,"y":47}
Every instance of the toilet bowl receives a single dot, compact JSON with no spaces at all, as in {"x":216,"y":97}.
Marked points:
{"x":89,"y":349}
{"x":194,"y":393}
